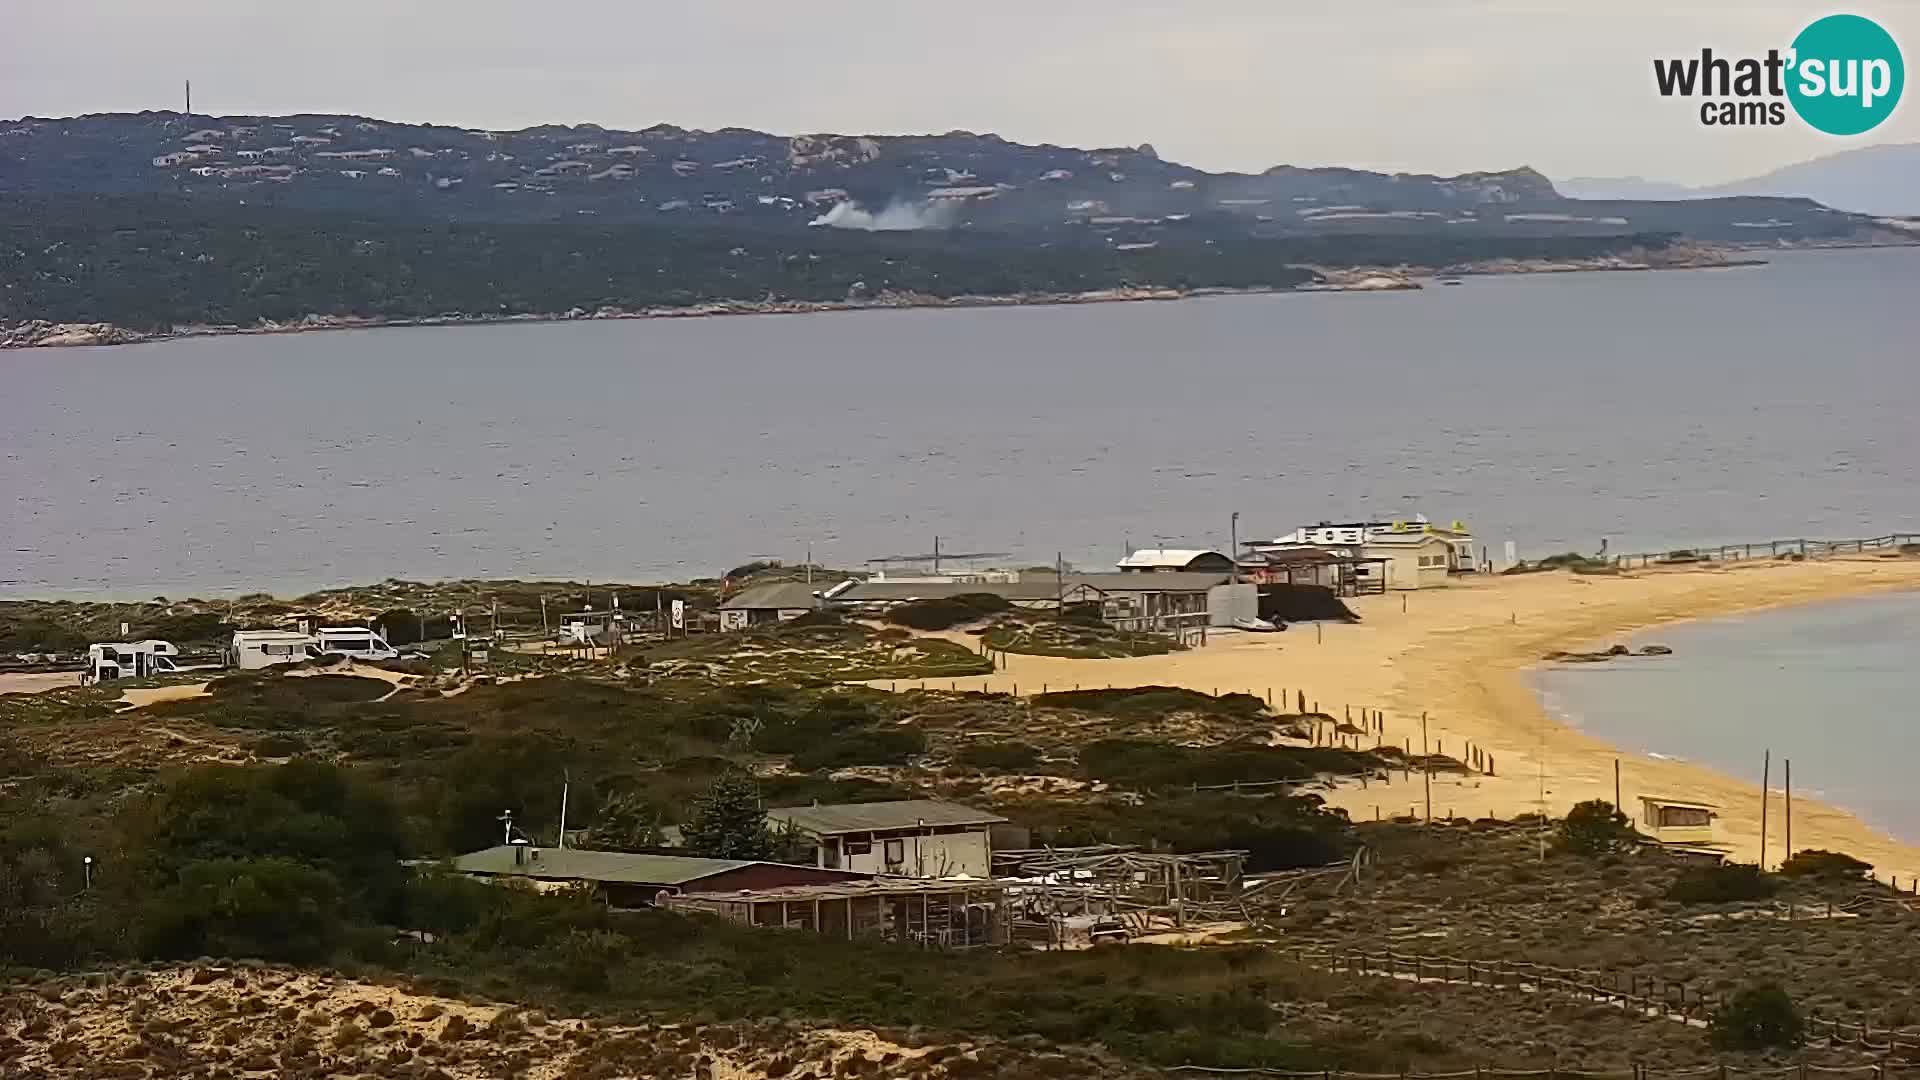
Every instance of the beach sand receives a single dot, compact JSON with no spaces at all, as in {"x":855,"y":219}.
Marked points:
{"x":1459,"y":654}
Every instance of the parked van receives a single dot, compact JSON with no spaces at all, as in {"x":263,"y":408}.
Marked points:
{"x":354,"y":642}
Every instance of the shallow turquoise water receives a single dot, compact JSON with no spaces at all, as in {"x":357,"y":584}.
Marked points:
{"x":1833,"y":686}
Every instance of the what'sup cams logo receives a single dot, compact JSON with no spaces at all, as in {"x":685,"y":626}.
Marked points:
{"x":1843,"y":75}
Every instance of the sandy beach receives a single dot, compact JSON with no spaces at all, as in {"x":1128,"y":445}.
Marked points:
{"x":1460,"y":655}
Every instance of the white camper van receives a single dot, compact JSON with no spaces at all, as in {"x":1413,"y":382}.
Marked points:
{"x":354,"y":642}
{"x":255,"y":649}
{"x":109,"y":660}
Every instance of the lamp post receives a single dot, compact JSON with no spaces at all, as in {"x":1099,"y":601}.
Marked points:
{"x":1233,"y":551}
{"x":86,"y":866}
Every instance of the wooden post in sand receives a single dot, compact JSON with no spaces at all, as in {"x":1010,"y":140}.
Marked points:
{"x":1789,"y":853}
{"x":1616,"y":786}
{"x":1426,"y":770}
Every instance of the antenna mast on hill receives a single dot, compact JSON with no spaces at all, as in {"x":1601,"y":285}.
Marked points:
{"x":189,"y":97}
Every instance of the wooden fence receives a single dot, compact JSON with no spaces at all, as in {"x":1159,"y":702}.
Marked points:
{"x":1646,"y":994}
{"x":1767,"y":549}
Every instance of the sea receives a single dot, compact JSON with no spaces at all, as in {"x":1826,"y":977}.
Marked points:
{"x":1831,"y":687}
{"x":1647,"y":410}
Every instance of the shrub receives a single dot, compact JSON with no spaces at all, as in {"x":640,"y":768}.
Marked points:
{"x":875,"y":746}
{"x":1724,"y":884}
{"x":1145,"y":764}
{"x":1594,"y":827}
{"x":273,"y":909}
{"x":998,"y":756}
{"x":1825,"y":866}
{"x":1758,"y":1018}
{"x":947,"y":612}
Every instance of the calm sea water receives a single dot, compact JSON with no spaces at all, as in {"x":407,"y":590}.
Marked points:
{"x":1831,"y":686}
{"x":1655,"y":410}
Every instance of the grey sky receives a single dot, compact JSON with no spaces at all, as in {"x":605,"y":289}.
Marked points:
{"x":1426,"y":85}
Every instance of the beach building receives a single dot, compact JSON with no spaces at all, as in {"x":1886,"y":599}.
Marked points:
{"x":1677,"y":821}
{"x":625,"y":879}
{"x":1175,"y":560}
{"x":773,"y":602}
{"x":594,"y":627}
{"x":936,"y":914}
{"x":1413,"y":560}
{"x":1353,"y":534}
{"x":1338,"y":570}
{"x":913,"y":838}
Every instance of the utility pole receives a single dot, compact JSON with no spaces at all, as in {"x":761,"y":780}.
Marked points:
{"x":1616,"y":786}
{"x":1766,"y":776}
{"x":1233,"y":550}
{"x":566,"y":782}
{"x":189,"y":98}
{"x":1789,"y":764}
{"x":1059,"y":583}
{"x":809,"y":565}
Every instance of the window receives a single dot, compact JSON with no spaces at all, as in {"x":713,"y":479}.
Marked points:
{"x":347,"y":644}
{"x":857,"y":847}
{"x":896,"y":852}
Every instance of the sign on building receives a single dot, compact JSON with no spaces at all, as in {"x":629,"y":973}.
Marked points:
{"x":679,"y":614}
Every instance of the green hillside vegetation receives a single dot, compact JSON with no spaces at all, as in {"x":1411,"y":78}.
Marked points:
{"x":150,"y":263}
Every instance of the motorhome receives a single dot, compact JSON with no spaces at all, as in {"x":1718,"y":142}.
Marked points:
{"x":255,"y":649}
{"x":109,"y":660}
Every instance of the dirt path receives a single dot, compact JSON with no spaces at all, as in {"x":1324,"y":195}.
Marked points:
{"x":34,"y":682}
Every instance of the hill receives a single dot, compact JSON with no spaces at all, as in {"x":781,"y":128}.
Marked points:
{"x":671,"y":175}
{"x":1877,"y":180}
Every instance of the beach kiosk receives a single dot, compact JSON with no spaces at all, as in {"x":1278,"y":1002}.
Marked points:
{"x":1682,"y":823}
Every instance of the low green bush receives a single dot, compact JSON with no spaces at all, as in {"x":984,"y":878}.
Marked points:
{"x":945,"y":613}
{"x":1825,"y":866}
{"x":1725,"y":884}
{"x":872,"y":746}
{"x":998,"y":756}
{"x":1758,"y":1018}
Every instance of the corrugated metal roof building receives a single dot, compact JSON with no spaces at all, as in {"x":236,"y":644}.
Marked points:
{"x":626,"y":879}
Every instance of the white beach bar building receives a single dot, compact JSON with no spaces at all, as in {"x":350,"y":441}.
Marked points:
{"x":914,"y":838}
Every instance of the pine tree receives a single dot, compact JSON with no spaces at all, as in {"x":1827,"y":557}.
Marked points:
{"x":728,"y":822}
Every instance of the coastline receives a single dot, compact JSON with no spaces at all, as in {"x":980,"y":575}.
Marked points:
{"x":40,"y":334}
{"x":1462,"y":656}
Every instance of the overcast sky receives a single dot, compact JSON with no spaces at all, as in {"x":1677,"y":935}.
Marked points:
{"x":1423,"y":85}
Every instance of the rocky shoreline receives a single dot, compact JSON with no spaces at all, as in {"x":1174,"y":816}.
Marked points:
{"x":43,"y":334}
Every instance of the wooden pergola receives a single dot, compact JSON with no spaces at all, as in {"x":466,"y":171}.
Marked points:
{"x":946,"y":914}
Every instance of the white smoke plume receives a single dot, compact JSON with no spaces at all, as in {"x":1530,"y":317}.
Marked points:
{"x":897,"y":217}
